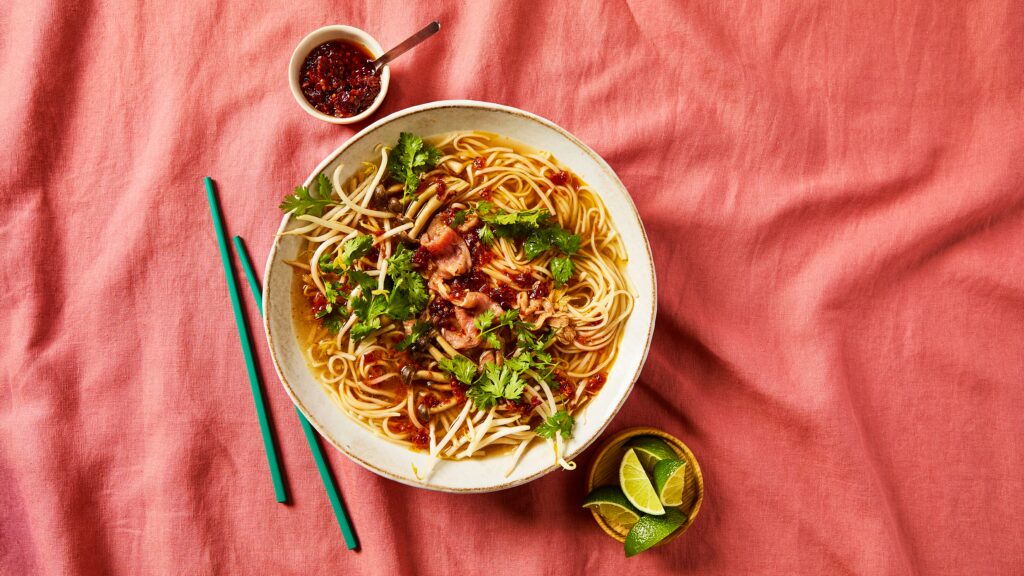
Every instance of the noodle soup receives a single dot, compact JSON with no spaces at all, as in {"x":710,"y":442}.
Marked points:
{"x":462,"y":296}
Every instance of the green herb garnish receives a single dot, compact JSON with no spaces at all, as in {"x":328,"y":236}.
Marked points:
{"x":330,"y":264}
{"x":356,"y":248}
{"x":419,"y":330}
{"x":551,"y":237}
{"x":458,"y":219}
{"x":409,"y":294}
{"x":559,"y":422}
{"x":461,"y":367}
{"x":409,"y":160}
{"x":561,"y":269}
{"x":494,"y":384}
{"x":406,"y":298}
{"x":304,"y":202}
{"x":539,"y":233}
{"x":486,"y":235}
{"x":512,"y":224}
{"x":362,"y":279}
{"x":368,"y":308}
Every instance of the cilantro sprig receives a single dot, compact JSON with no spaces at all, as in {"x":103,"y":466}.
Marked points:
{"x":494,"y":383}
{"x":461,"y":367}
{"x":303,"y":201}
{"x":352,"y":250}
{"x":512,"y":224}
{"x":409,"y":294}
{"x":419,"y":330}
{"x":406,"y":298}
{"x":485,"y":323}
{"x":561,"y":269}
{"x":409,"y":160}
{"x":560,"y":422}
{"x":356,"y":248}
{"x":540,"y":235}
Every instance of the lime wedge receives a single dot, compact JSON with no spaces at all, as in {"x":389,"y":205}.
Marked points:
{"x":637,"y":486}
{"x":651,"y":449}
{"x":613,"y":506}
{"x":669,"y":479}
{"x":650,"y":530}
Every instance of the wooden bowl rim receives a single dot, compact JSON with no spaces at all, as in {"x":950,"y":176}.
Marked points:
{"x":623,"y":436}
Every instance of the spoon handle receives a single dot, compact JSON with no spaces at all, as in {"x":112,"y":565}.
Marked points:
{"x":404,"y":47}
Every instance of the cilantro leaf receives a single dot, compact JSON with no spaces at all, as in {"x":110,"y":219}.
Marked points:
{"x":368,"y":309}
{"x":356,"y":248}
{"x":520,"y":362}
{"x":407,"y":298}
{"x":333,"y":324}
{"x":489,"y":388}
{"x":496,"y":383}
{"x":514,"y":387}
{"x":333,"y":292}
{"x":409,"y":294}
{"x":508,"y":317}
{"x":458,"y":219}
{"x":535,"y":244}
{"x":551,"y":237}
{"x":561,"y":269}
{"x":492,"y":340}
{"x":486,"y":235}
{"x":328,"y":263}
{"x":409,"y":159}
{"x":512,"y":224}
{"x":566,"y":242}
{"x":360,"y":278}
{"x":361,"y":330}
{"x":539,"y":235}
{"x":559,"y":422}
{"x":484,"y":320}
{"x":303,"y":202}
{"x":419,"y":330}
{"x":461,"y":367}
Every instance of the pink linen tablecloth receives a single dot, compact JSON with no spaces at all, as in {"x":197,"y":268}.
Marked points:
{"x":834,"y":193}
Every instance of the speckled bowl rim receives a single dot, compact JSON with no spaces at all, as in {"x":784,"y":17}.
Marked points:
{"x":602,"y":165}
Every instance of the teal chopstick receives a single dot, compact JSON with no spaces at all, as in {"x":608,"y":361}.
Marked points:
{"x":269,"y":443}
{"x":307,"y":428}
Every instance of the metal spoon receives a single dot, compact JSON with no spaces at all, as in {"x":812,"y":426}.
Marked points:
{"x":405,"y":46}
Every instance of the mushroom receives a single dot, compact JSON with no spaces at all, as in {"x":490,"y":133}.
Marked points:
{"x":408,"y":241}
{"x":422,"y":412}
{"x":379,"y":198}
{"x":407,"y":373}
{"x":395,"y":205}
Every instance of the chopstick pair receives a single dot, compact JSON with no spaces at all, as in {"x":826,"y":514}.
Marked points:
{"x":269,"y":442}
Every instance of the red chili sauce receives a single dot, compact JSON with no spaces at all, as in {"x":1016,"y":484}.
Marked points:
{"x":337,"y":80}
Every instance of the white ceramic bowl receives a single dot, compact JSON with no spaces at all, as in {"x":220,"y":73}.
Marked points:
{"x":485,"y":474}
{"x":327,"y":34}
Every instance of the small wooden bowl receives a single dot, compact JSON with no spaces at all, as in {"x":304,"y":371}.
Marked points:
{"x":605,"y":472}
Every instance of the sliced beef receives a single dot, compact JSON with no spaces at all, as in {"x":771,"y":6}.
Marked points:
{"x":478,"y":302}
{"x":453,"y":260}
{"x":467,"y":309}
{"x":467,"y":336}
{"x":439,"y":235}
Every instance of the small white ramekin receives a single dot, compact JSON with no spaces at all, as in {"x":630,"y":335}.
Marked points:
{"x":327,"y":34}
